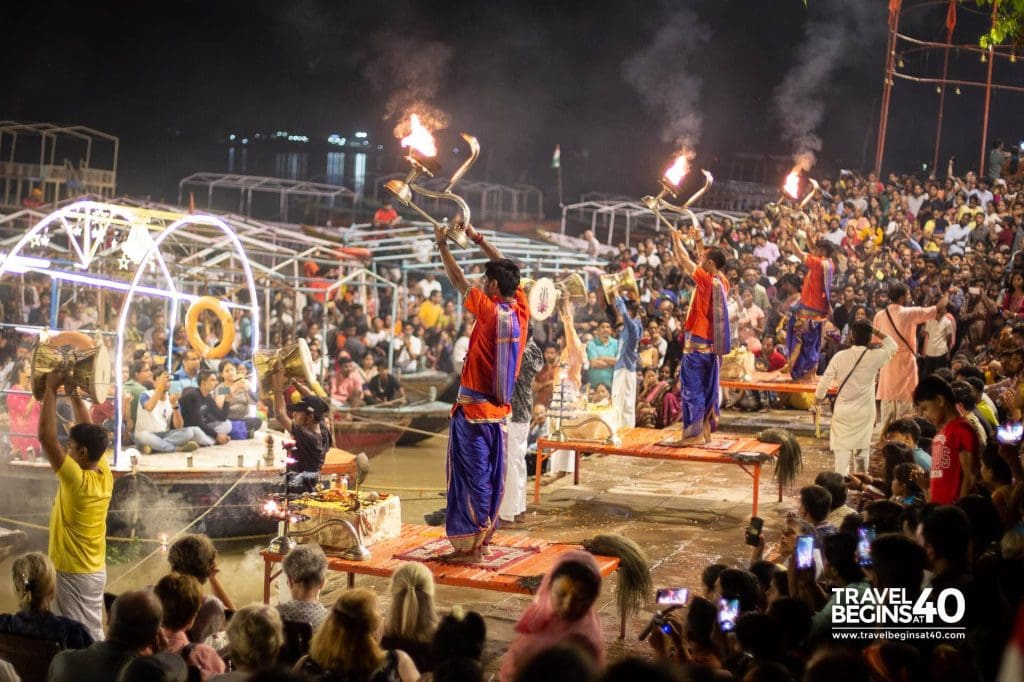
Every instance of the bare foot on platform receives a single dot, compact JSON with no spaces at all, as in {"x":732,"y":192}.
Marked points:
{"x":471,"y":557}
{"x":520,"y":518}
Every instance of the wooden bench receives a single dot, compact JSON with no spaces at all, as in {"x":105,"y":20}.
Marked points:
{"x":646,"y":443}
{"x":772,"y":381}
{"x":520,"y":577}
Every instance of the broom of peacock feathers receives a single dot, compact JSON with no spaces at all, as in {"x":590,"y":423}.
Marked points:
{"x":635,"y":586}
{"x":789,"y":462}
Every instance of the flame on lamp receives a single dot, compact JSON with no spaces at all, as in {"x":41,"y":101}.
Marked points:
{"x":792,"y":184}
{"x":270,"y":508}
{"x":677,"y":170}
{"x":419,"y":138}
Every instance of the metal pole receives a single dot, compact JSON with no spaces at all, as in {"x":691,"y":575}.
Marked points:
{"x":890,"y":59}
{"x":942,"y":102}
{"x":988,"y":96}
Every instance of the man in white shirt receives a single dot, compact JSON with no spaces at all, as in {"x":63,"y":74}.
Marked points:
{"x":938,"y":340}
{"x":408,"y":349}
{"x":836,"y":234}
{"x":767,"y":252}
{"x":854,"y":371}
{"x":461,"y":345}
{"x":427,"y":285}
{"x":915,"y":201}
{"x":159,"y":426}
{"x":956,"y":237}
{"x":982,"y":192}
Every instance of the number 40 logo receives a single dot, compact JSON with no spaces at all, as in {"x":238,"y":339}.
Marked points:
{"x":925,"y":610}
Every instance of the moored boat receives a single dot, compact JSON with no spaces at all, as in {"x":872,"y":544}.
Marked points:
{"x":428,"y":417}
{"x":366,"y":435}
{"x":162,"y":493}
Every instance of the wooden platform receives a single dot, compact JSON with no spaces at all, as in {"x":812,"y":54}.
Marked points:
{"x":772,"y":381}
{"x":646,"y":443}
{"x":521,"y":577}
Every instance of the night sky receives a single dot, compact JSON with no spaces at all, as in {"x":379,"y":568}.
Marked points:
{"x":171,"y":79}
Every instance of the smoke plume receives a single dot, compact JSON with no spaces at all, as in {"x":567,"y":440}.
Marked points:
{"x":409,"y":72}
{"x":659,"y":73}
{"x":832,"y":40}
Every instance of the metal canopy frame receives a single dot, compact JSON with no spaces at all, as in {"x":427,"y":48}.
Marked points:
{"x":629,"y":213}
{"x":410,"y":247}
{"x":247,"y":185}
{"x":487,"y":200}
{"x":58,"y":180}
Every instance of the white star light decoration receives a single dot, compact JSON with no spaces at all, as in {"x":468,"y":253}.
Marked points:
{"x":76,"y":231}
{"x":124,"y":263}
{"x":39,"y":239}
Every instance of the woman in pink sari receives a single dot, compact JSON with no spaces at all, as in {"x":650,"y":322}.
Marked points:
{"x":563,"y":612}
{"x":651,"y":407}
{"x":23,"y":411}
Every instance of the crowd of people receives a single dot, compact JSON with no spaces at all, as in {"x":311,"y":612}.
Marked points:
{"x":918,"y":281}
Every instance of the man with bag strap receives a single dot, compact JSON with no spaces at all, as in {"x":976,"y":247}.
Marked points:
{"x":898,"y":378}
{"x":853,"y":414}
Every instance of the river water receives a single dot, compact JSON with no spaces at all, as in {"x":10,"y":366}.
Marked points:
{"x":414,"y":473}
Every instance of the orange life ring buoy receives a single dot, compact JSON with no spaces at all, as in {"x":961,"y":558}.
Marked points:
{"x":357,"y":252}
{"x":227,"y":325}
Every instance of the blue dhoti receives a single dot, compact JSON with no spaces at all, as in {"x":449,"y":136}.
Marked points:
{"x":699,"y":374}
{"x":476,"y":480}
{"x":807,"y":332}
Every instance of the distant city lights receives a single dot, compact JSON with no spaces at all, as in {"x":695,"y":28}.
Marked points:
{"x":337,"y":140}
{"x":231,"y":137}
{"x":361,"y":135}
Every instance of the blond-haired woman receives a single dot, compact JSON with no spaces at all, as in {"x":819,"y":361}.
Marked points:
{"x":35,"y":584}
{"x":345,"y":646}
{"x":412,"y":620}
{"x":256,"y":636}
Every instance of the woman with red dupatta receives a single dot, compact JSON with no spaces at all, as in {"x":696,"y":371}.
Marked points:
{"x":563,"y":612}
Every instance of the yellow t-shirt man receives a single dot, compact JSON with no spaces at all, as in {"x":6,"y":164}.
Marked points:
{"x":430,"y":313}
{"x":78,"y":520}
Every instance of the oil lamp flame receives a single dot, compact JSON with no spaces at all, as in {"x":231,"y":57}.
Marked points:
{"x":677,"y":170}
{"x":270,"y":508}
{"x":419,"y":138}
{"x":792,"y":185}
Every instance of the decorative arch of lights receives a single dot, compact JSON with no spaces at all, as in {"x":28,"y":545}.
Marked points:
{"x":95,"y":232}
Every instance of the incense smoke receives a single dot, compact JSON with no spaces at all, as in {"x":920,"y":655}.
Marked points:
{"x":410,"y":72}
{"x":831,"y":40}
{"x":667,"y":87}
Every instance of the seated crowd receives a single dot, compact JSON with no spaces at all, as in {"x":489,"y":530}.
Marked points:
{"x":942,"y":507}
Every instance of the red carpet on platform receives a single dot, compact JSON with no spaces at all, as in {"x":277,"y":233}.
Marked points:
{"x":498,"y":557}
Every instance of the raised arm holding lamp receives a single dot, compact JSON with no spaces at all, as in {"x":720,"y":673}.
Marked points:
{"x":707,"y":339}
{"x":78,"y":520}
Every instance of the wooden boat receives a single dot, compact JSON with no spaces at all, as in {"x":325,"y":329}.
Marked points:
{"x":363,"y":435}
{"x":162,"y":493}
{"x":429,"y":385}
{"x":432,"y":416}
